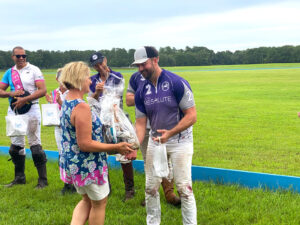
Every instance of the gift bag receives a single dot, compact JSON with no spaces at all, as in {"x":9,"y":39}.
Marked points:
{"x":16,"y":125}
{"x":50,"y":115}
{"x":160,"y":161}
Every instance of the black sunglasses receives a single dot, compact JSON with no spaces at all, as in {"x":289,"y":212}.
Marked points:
{"x":19,"y":56}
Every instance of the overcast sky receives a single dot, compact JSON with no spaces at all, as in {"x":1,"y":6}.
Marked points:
{"x":95,"y":24}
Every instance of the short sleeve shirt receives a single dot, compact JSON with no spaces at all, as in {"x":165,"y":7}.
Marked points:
{"x":136,"y":80}
{"x":114,"y":79}
{"x":165,"y":103}
{"x":29,"y":75}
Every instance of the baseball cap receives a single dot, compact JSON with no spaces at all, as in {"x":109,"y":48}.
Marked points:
{"x":95,"y":58}
{"x":142,"y":54}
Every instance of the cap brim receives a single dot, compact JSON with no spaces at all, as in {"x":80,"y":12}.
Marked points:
{"x":139,"y":61}
{"x":97,"y":61}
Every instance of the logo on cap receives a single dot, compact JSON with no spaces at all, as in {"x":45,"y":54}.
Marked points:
{"x":94,"y":57}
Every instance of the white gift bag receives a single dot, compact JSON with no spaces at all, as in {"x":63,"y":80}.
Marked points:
{"x":160,"y":161}
{"x":50,"y":115}
{"x":16,"y":125}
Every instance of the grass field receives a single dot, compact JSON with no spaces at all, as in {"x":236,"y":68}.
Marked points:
{"x":247,"y":116}
{"x":247,"y":119}
{"x":216,"y":204}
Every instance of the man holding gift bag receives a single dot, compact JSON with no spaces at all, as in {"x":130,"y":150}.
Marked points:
{"x":137,"y":80}
{"x":167,"y":101}
{"x":27,"y":85}
{"x":107,"y":78}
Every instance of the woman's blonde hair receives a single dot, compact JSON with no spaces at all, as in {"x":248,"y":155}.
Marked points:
{"x":74,"y":74}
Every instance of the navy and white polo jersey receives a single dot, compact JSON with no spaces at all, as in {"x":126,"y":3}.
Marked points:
{"x":115,"y":79}
{"x":165,"y":103}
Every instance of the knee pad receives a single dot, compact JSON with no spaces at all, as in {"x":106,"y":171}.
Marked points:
{"x":38,"y":155}
{"x":14,"y":150}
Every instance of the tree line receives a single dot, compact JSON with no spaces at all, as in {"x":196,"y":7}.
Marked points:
{"x":195,"y":56}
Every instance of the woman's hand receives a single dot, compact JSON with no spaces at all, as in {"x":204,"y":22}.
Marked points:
{"x":124,"y":148}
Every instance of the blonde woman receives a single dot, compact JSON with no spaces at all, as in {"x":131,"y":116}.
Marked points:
{"x":83,"y":159}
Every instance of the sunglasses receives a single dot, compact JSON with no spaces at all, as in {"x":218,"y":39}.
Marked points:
{"x":19,"y":56}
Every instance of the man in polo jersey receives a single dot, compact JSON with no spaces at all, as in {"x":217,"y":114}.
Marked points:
{"x":167,"y":100}
{"x":33,"y":82}
{"x":137,"y":80}
{"x":106,"y":78}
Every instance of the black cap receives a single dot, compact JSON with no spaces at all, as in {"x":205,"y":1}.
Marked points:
{"x":25,"y":108}
{"x":95,"y":58}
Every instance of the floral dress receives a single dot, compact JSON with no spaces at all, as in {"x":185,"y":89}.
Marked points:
{"x":78,"y":167}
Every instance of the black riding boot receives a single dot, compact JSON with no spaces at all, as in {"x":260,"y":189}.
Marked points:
{"x":19,"y":163}
{"x":68,"y":188}
{"x":39,"y":159}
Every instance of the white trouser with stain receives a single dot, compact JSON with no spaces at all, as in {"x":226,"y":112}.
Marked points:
{"x":180,"y":155}
{"x":34,"y":128}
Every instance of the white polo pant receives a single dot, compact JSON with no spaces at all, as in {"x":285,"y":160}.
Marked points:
{"x":34,"y":128}
{"x":180,"y":155}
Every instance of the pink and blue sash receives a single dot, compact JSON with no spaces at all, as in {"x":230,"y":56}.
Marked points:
{"x":15,"y":76}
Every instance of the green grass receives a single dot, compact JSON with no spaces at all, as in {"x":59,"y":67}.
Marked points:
{"x":216,"y":204}
{"x":247,"y":118}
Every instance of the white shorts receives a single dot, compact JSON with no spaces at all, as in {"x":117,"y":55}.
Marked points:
{"x":95,"y":192}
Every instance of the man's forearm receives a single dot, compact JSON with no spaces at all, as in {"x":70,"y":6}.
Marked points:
{"x":4,"y":94}
{"x":188,"y":120}
{"x":35,"y":95}
{"x":140,"y":127}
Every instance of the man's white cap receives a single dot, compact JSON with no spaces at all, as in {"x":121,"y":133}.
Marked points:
{"x":142,"y":54}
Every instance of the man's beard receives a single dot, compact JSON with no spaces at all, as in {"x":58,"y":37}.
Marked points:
{"x":147,"y":74}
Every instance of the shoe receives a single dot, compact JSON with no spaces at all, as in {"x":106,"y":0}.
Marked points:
{"x":16,"y":181}
{"x":68,"y":188}
{"x":143,"y":203}
{"x":41,"y":185}
{"x":129,"y":195}
{"x":174,"y":200}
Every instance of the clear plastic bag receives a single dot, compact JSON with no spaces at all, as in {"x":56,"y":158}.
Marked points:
{"x":116,"y":126}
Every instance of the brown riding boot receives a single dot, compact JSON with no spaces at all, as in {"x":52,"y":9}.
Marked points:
{"x":128,"y":180}
{"x":168,"y":188}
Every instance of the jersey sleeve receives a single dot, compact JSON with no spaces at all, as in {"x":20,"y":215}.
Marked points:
{"x":132,"y":84}
{"x":5,"y":78}
{"x":184,"y":95}
{"x":140,"y":110}
{"x":38,"y":75}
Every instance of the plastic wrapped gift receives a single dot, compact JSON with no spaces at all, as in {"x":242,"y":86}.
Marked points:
{"x":116,"y":125}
